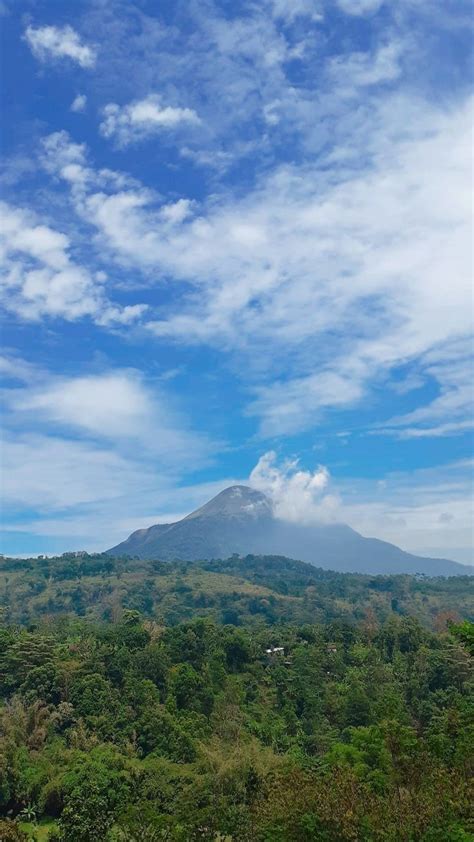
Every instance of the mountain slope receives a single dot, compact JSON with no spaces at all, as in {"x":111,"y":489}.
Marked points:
{"x":240,"y":520}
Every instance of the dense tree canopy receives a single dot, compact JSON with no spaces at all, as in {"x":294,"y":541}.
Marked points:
{"x":137,"y":731}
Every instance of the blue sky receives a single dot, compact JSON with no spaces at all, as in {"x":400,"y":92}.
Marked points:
{"x":236,"y":247}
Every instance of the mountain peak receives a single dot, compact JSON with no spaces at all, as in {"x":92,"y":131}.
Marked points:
{"x":237,"y":501}
{"x":240,"y":520}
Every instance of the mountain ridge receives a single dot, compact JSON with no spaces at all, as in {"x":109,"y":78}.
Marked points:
{"x":240,"y":520}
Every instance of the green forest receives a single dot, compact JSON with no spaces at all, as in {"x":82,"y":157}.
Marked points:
{"x":244,"y":700}
{"x":249,"y":591}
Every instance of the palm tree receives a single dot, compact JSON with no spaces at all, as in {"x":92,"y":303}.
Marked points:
{"x":28,"y":814}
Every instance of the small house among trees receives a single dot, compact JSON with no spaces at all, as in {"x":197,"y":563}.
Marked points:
{"x":275,"y":650}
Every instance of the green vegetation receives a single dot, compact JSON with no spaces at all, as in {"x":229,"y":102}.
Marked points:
{"x":133,"y":731}
{"x":251,"y":591}
{"x":253,"y":699}
{"x":39,"y":831}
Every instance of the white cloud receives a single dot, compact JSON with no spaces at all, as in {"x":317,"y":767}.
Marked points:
{"x":176,"y":212}
{"x":51,"y":42}
{"x":115,"y":405}
{"x":253,"y":45}
{"x":220,"y":66}
{"x":360,"y":7}
{"x":13,"y":367}
{"x":296,"y":403}
{"x":51,"y":473}
{"x":364,"y":69}
{"x":91,"y":455}
{"x":289,"y":10}
{"x":109,"y":404}
{"x":298,"y":496}
{"x":40,"y":279}
{"x":450,"y":428}
{"x":79,"y":103}
{"x":344,"y":273}
{"x":424,"y":511}
{"x":452,"y":411}
{"x":143,"y":118}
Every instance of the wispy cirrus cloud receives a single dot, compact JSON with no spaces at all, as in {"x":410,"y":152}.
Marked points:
{"x":39,"y":468}
{"x":360,"y":69}
{"x":224,"y":68}
{"x":52,"y":42}
{"x":87,"y":454}
{"x":290,"y":10}
{"x":451,"y":412}
{"x":116,"y":406}
{"x":307,"y":266}
{"x":427,"y":511}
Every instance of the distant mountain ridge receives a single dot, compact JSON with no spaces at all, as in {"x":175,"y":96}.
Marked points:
{"x":240,"y":520}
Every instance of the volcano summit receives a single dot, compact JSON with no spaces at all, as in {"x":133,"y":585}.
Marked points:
{"x":241,"y":520}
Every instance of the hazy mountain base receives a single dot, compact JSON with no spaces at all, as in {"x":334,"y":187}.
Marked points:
{"x":255,"y":590}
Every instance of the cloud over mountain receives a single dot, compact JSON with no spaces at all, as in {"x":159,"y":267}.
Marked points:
{"x":298,"y":496}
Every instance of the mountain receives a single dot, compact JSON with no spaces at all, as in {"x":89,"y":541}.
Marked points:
{"x":240,"y":520}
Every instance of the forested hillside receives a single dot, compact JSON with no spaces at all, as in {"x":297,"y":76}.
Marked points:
{"x":132,"y":731}
{"x":253,"y":699}
{"x":253,"y":591}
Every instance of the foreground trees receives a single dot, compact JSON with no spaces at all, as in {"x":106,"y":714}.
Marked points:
{"x":134,"y":731}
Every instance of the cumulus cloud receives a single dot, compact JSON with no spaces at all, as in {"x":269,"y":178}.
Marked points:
{"x":176,"y":212}
{"x":79,"y":103}
{"x":427,"y":511}
{"x":298,"y":496}
{"x":142,"y":118}
{"x":40,"y":278}
{"x":53,"y":42}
